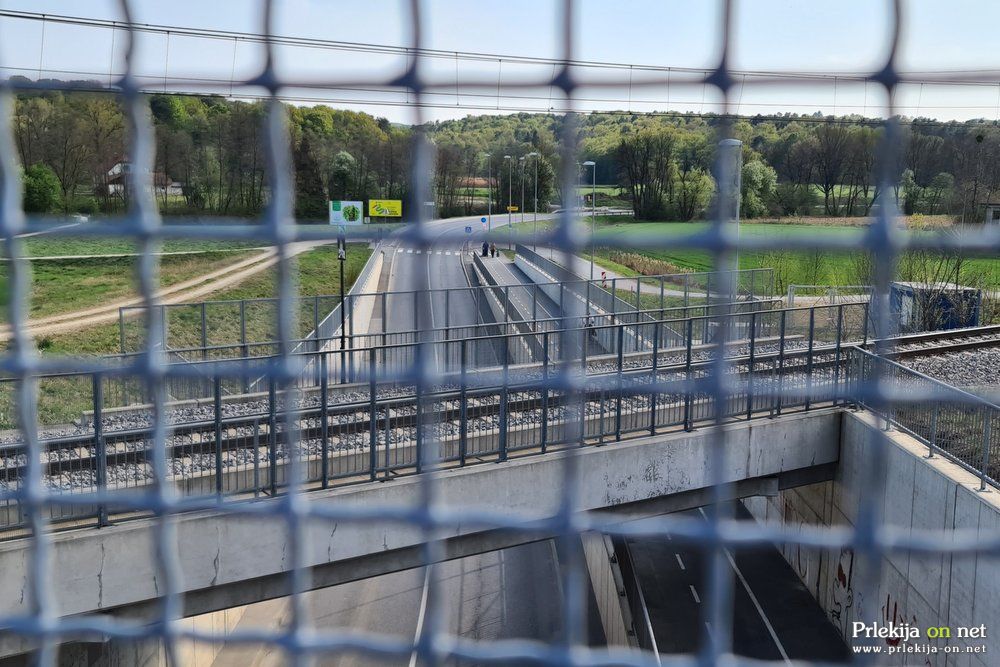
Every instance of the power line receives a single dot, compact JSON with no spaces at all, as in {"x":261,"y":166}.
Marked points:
{"x":461,"y":95}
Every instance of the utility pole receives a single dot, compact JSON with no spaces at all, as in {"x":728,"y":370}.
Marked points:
{"x":534,"y":231}
{"x":342,"y":258}
{"x":521,"y":164}
{"x":489,"y":191}
{"x":510,"y":196}
{"x":593,"y":214}
{"x":730,"y":186}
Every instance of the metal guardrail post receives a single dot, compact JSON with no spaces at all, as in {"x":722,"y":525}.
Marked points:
{"x":217,"y":405}
{"x":932,"y":440}
{"x":324,"y":418}
{"x":447,"y":313}
{"x":121,"y":330}
{"x":545,"y":391}
{"x":272,"y":436}
{"x":463,"y":424}
{"x":867,"y":309}
{"x":372,"y":416}
{"x":836,"y":363}
{"x":618,"y":398}
{"x":987,"y":427}
{"x":781,"y":364}
{"x":504,"y":398}
{"x":750,"y":363}
{"x":809,"y":356}
{"x":100,"y":446}
{"x":654,"y":396}
{"x":256,"y":458}
{"x":687,"y":374}
{"x":204,"y":332}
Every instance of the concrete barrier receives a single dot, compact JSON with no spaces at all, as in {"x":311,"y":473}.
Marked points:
{"x":924,"y":590}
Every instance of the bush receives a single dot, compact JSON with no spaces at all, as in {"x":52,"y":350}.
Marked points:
{"x":85,"y":205}
{"x":644,"y":265}
{"x":41,"y":189}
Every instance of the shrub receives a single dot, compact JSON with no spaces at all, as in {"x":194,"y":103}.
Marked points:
{"x":41,"y":189}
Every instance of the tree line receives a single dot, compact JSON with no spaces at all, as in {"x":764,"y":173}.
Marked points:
{"x":210,"y":159}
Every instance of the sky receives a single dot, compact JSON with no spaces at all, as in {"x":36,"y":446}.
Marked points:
{"x":646,"y":42}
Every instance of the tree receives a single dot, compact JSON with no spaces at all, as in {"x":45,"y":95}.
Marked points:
{"x":41,"y":189}
{"x":757,"y":191}
{"x":310,"y":197}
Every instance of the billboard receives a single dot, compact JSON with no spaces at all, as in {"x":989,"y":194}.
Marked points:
{"x":385,"y":208}
{"x":346,"y":213}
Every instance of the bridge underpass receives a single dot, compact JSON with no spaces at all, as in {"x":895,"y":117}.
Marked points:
{"x":233,"y":560}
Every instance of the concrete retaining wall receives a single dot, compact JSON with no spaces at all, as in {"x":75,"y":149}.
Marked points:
{"x":93,"y":570}
{"x":923,"y":590}
{"x":609,"y":591}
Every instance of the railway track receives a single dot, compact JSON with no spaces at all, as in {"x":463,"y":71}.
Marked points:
{"x":211,"y":438}
{"x":932,"y":343}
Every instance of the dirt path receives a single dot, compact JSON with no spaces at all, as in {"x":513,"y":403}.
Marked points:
{"x":188,"y":290}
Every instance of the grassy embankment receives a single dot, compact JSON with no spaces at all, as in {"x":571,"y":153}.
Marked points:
{"x":64,"y":399}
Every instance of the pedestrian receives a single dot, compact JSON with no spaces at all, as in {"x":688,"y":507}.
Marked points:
{"x":493,"y":250}
{"x":486,"y":249}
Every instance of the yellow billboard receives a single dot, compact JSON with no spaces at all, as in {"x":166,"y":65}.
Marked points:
{"x":385,"y":208}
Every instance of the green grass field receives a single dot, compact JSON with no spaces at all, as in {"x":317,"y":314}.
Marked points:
{"x":809,"y":268}
{"x":62,"y":400}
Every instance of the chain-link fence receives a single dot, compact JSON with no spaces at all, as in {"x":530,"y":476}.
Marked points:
{"x":706,"y":395}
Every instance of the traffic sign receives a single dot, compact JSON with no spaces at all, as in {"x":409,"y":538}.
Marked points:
{"x":482,"y":220}
{"x":511,"y":209}
{"x":468,"y":230}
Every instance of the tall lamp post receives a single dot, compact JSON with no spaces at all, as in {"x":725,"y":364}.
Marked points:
{"x":520,"y":161}
{"x":510,"y":196}
{"x":489,"y":191}
{"x":342,"y":257}
{"x":593,"y":212}
{"x":534,"y":229}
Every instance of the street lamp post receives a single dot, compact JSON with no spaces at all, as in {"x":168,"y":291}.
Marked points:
{"x":489,"y":191}
{"x":521,"y":163}
{"x":593,"y":214}
{"x":342,"y":257}
{"x":510,"y":196}
{"x":534,"y":230}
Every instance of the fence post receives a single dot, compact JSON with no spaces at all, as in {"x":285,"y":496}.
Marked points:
{"x":503,"y":403}
{"x":372,"y":415}
{"x":618,"y":398}
{"x":781,"y":363}
{"x":933,"y":439}
{"x":447,"y":313}
{"x":809,"y":357}
{"x":100,"y":446}
{"x":545,"y":390}
{"x":217,"y":404}
{"x":121,"y":330}
{"x":987,"y":425}
{"x":463,"y":425}
{"x":272,"y":436}
{"x":256,"y":458}
{"x":654,"y":395}
{"x":750,"y":367}
{"x":836,"y":364}
{"x":204,"y":332}
{"x":687,"y":372}
{"x":324,"y":418}
{"x":867,"y":308}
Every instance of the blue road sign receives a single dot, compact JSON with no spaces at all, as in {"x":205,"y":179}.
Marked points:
{"x":482,"y":220}
{"x":468,"y":230}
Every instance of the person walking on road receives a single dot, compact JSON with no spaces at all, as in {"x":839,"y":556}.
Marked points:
{"x":486,"y":249}
{"x":493,"y":250}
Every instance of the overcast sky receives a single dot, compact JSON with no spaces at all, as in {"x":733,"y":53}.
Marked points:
{"x":827,"y":36}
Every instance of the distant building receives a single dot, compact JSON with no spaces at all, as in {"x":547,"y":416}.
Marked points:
{"x":992,"y":216}
{"x":118,"y":174}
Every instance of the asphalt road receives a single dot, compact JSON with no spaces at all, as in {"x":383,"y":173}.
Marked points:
{"x":774,"y":615}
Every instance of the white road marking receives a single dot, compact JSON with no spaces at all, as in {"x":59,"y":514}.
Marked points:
{"x":756,"y":603}
{"x":679,"y":561}
{"x":710,"y":633}
{"x":694,"y":594}
{"x":420,"y":615}
{"x":418,"y":251}
{"x":409,"y":251}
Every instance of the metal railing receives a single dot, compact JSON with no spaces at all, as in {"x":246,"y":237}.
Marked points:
{"x":963,"y":427}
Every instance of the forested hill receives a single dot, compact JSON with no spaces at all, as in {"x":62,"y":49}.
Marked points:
{"x":210,"y":159}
